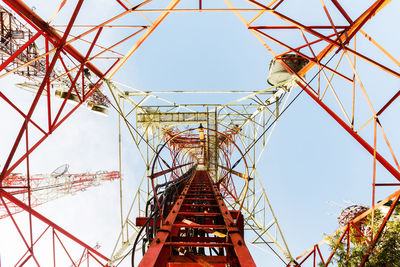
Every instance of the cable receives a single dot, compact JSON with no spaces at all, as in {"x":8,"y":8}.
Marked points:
{"x":283,"y":111}
{"x":183,"y":178}
{"x":137,"y":237}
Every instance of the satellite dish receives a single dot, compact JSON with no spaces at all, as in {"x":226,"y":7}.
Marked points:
{"x":63,"y":169}
{"x":278,"y":74}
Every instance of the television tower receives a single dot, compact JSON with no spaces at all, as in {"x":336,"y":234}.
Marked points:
{"x":47,"y":187}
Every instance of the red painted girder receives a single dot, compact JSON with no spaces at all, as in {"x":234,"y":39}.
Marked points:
{"x":198,"y":239}
{"x":295,"y":27}
{"x":358,"y":138}
{"x":19,"y":51}
{"x":336,"y":44}
{"x":380,"y":231}
{"x":199,"y":213}
{"x":140,"y":221}
{"x":340,"y":8}
{"x":39,"y":92}
{"x":9,"y":170}
{"x":193,"y":264}
{"x":210,"y":259}
{"x":199,"y":195}
{"x":198,"y":244}
{"x":241,"y":250}
{"x":388,"y":103}
{"x":20,"y":112}
{"x":52,"y":224}
{"x":157,"y":252}
{"x":38,"y":23}
{"x":157,"y":174}
{"x":199,"y":199}
{"x":200,"y":226}
{"x":302,"y":55}
{"x":200,"y":205}
{"x":387,"y":184}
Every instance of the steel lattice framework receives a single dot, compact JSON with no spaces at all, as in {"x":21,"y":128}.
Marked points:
{"x":77,"y":60}
{"x":47,"y":187}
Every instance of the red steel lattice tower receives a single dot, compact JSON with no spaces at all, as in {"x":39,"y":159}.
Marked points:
{"x":186,"y":219}
{"x":48,"y":187}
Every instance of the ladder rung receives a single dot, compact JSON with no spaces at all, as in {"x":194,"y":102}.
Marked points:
{"x":197,"y":244}
{"x":205,"y":226}
{"x":199,"y":213}
{"x":199,"y":199}
{"x":200,"y":205}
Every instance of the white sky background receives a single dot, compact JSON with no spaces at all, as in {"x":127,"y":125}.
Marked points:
{"x":310,"y":160}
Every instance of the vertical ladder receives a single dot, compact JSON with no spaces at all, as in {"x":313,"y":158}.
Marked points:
{"x":199,"y":230}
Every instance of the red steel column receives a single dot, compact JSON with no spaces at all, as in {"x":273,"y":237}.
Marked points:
{"x":358,"y":138}
{"x":52,"y":224}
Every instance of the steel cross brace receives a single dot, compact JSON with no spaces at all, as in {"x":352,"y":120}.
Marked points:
{"x":50,"y":223}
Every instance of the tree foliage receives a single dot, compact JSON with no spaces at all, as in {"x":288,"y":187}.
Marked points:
{"x":385,"y":253}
